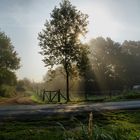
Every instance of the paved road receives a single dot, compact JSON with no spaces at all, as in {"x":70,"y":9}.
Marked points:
{"x":33,"y":111}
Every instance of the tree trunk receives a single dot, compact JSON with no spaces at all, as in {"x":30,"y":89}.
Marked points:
{"x":67,"y":86}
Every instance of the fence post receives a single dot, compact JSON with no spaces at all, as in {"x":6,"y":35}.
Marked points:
{"x":43,"y":96}
{"x":50,"y":97}
{"x":59,"y":95}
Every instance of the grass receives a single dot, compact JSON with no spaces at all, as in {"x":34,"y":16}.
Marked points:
{"x":122,"y":97}
{"x":36,"y":99}
{"x":127,"y":96}
{"x":3,"y":98}
{"x":120,"y":125}
{"x":130,"y":96}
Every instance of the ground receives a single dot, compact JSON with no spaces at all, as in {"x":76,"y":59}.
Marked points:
{"x":22,"y":119}
{"x":16,"y":100}
{"x":114,"y":125}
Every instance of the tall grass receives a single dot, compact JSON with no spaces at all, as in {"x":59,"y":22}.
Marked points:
{"x":91,"y":131}
{"x":111,"y":126}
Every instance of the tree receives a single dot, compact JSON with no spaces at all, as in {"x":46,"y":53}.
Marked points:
{"x":60,"y":42}
{"x":115,"y":65}
{"x":8,"y":56}
{"x":131,"y":51}
{"x":105,"y":58}
{"x":9,"y":61}
{"x":24,"y":85}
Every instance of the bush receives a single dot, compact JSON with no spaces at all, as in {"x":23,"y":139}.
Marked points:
{"x":7,"y":91}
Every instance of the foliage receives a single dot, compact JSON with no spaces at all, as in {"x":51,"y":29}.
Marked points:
{"x":24,"y":85}
{"x":9,"y":62}
{"x":7,"y":90}
{"x":60,"y":41}
{"x":9,"y":59}
{"x":54,"y":80}
{"x":114,"y":66}
{"x":7,"y":77}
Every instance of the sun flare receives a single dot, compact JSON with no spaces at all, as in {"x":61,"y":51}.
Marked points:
{"x":82,"y":38}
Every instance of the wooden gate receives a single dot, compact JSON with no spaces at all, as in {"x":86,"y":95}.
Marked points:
{"x":50,"y":95}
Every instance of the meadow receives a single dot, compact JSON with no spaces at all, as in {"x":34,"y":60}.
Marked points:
{"x":118,"y":125}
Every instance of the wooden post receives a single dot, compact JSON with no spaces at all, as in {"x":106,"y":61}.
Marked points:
{"x":50,"y":97}
{"x":43,"y":96}
{"x":59,"y":95}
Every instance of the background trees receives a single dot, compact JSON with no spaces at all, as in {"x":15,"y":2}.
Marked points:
{"x":9,"y":62}
{"x":60,"y":42}
{"x":112,"y":66}
{"x":109,"y":66}
{"x":131,"y":61}
{"x":104,"y":59}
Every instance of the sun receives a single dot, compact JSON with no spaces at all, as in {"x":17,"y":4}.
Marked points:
{"x":82,"y":38}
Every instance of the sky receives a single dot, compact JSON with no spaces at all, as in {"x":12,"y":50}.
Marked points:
{"x":22,"y":20}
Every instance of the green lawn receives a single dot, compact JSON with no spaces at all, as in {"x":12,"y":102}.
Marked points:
{"x":120,"y":125}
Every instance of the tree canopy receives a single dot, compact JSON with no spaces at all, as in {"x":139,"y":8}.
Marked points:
{"x":8,"y":56}
{"x":9,"y":61}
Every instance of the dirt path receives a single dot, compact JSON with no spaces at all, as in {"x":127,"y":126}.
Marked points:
{"x":18,"y":100}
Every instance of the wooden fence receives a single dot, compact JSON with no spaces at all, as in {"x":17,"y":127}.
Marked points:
{"x":50,"y":95}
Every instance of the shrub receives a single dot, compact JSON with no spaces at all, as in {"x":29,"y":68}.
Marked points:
{"x":7,"y":91}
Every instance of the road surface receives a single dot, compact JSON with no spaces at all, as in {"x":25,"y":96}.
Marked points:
{"x":33,"y":111}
